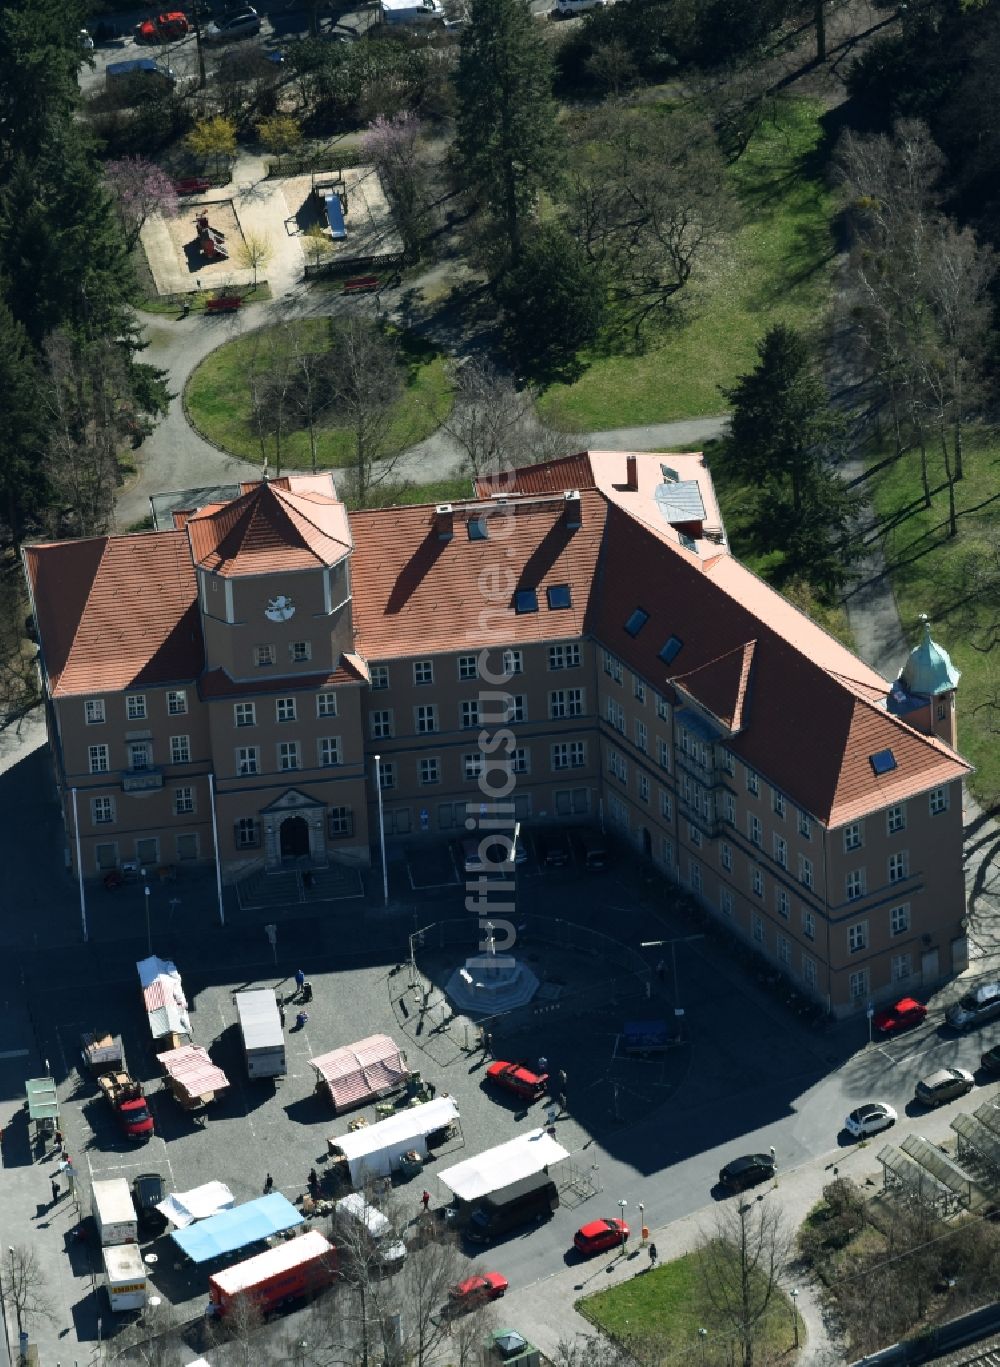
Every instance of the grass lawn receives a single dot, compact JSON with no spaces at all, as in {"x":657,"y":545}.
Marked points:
{"x":932,"y":572}
{"x":217,"y":401}
{"x":669,"y":1305}
{"x":175,"y":305}
{"x":774,"y":268}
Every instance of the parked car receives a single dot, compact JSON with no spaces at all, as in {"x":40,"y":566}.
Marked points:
{"x":991,"y":1059}
{"x":593,"y":851}
{"x":476,"y":1291}
{"x":554,"y":849}
{"x":517,"y":1078}
{"x":86,"y":42}
{"x":599,"y":1235}
{"x":906,"y":1013}
{"x":565,"y":8}
{"x":981,"y":1004}
{"x":944,"y":1085}
{"x":245,"y":23}
{"x":165,"y":28}
{"x":147,"y":1193}
{"x":747,"y":1171}
{"x":871,"y":1118}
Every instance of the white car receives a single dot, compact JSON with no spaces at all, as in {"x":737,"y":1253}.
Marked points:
{"x":566,"y":8}
{"x":86,"y":42}
{"x":870,"y":1119}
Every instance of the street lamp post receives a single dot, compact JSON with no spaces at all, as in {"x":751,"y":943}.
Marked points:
{"x":702,"y":1336}
{"x":149,"y":933}
{"x":680,"y":940}
{"x":642,"y":1223}
{"x":13,"y":1290}
{"x":795,"y":1314}
{"x":621,"y":1206}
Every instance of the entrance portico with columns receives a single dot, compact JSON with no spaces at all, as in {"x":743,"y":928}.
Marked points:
{"x":293,"y":831}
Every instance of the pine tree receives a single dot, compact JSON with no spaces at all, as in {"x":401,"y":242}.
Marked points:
{"x":23,"y":428}
{"x":507,"y":138}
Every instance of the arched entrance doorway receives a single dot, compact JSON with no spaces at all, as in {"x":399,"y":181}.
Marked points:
{"x":294,"y":837}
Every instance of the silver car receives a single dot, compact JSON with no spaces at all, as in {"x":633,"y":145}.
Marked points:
{"x":981,"y":1004}
{"x":243,"y":24}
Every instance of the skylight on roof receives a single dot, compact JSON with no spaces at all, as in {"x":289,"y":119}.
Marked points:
{"x":637,"y":621}
{"x":559,"y":596}
{"x":670,"y":476}
{"x":882,"y":762}
{"x":686,"y":541}
{"x":478,"y":529}
{"x":671,"y":650}
{"x":526,"y":600}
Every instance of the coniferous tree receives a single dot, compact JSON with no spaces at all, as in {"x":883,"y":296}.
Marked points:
{"x":24,"y":487}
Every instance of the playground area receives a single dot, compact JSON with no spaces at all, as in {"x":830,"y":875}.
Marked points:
{"x":204,"y":246}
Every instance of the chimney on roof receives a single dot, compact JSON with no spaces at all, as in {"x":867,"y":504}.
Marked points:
{"x":631,"y":473}
{"x":572,"y":510}
{"x":444,"y":521}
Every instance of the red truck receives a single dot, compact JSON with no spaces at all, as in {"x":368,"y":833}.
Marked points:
{"x":105,"y":1057}
{"x":289,"y":1272}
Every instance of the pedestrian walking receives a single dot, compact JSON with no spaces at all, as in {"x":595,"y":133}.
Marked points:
{"x":426,"y":1199}
{"x":59,"y":1140}
{"x":771,"y":1152}
{"x":55,"y":1191}
{"x":652,"y":1255}
{"x":268,"y":1184}
{"x":543,"y":1064}
{"x":300,"y":978}
{"x":561,"y":1079}
{"x":281,"y":1013}
{"x":486,"y":1040}
{"x":562,"y":1103}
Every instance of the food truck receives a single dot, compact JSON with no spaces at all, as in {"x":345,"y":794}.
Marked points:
{"x":125,"y":1277}
{"x":114,"y":1213}
{"x":263,"y":1035}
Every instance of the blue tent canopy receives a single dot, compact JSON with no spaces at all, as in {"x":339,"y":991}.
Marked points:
{"x":233,"y":1229}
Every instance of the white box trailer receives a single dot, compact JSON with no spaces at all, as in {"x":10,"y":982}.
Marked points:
{"x":125,"y":1277}
{"x":263,"y":1035}
{"x":114,"y":1213}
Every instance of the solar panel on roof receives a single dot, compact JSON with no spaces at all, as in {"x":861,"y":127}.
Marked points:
{"x":526,"y":600}
{"x":882,"y":762}
{"x":636,"y":622}
{"x":671,"y":650}
{"x":559,"y":596}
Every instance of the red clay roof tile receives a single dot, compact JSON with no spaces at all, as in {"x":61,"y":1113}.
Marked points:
{"x":549,"y":477}
{"x":272,"y":527}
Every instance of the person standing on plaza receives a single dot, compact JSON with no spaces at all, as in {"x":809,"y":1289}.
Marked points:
{"x":300,"y":978}
{"x":652,"y":1255}
{"x":55,"y":1191}
{"x":426,"y":1199}
{"x":268,"y":1184}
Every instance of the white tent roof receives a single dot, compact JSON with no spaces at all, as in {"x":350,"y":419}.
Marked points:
{"x":182,"y":1208}
{"x":503,"y":1166}
{"x":401,"y":1128}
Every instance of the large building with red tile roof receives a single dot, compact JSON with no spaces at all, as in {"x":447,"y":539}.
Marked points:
{"x":576,"y":642}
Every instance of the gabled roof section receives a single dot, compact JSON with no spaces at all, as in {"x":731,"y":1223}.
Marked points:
{"x":550,"y":477}
{"x":116,"y":612}
{"x":289,"y":524}
{"x":721,"y":685}
{"x":416,"y":593}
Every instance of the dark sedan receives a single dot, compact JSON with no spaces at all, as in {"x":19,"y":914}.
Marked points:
{"x":747,"y":1171}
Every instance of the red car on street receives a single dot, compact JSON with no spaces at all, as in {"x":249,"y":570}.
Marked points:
{"x":517,"y":1078}
{"x":476,"y":1291}
{"x":165,"y":28}
{"x":902,"y":1016}
{"x":600,"y":1235}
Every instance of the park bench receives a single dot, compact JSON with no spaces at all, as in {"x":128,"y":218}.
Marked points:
{"x":192,"y":185}
{"x":362,"y":284}
{"x":224,"y":303}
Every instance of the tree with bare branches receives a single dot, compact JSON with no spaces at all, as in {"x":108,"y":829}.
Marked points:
{"x":366,"y":385}
{"x":25,"y":1288}
{"x":741,"y":1263}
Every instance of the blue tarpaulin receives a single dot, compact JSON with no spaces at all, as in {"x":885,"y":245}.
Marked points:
{"x":232,"y":1229}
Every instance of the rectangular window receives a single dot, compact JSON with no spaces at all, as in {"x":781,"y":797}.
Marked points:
{"x":329,"y":751}
{"x":247,"y":833}
{"x":135,"y":706}
{"x":694,"y":835}
{"x":572,"y":754}
{"x":755,"y":830}
{"x":616,"y":715}
{"x":781,"y":851}
{"x":517,"y":707}
{"x":852,"y":836}
{"x":778,"y":803}
{"x":757,"y":882}
{"x":638,"y":689}
{"x":694,"y":876}
{"x":640,"y":735}
{"x":429,"y":771}
{"x":98,"y":759}
{"x":565,"y":656}
{"x":139,"y":754}
{"x":726,"y":855}
{"x":899,"y":866}
{"x":726,"y":762}
{"x":757,"y":927}
{"x":902,"y":967}
{"x":520,"y":760}
{"x":783,"y":948}
{"x":102,"y":810}
{"x":472,"y":764}
{"x":340,"y":822}
{"x":423,"y":672}
{"x":284,"y":709}
{"x":612,"y":667}
{"x":468,"y":667}
{"x":666,"y":805}
{"x":106,"y":856}
{"x":381,"y":725}
{"x":753,"y":782}
{"x":247,"y":760}
{"x":895,"y":818}
{"x":643,"y":788}
{"x":425,"y":718}
{"x":147,"y":850}
{"x":782,"y":903}
{"x":387,"y":774}
{"x":808,"y":924}
{"x":662,"y":708}
{"x":183,"y":801}
{"x":858,"y":985}
{"x":663,"y":754}
{"x":180,"y":749}
{"x":857,"y":937}
{"x":854,"y":885}
{"x":513,"y":662}
{"x":288,"y":754}
{"x":805,"y":871}
{"x":725,"y":901}
{"x":326,"y":704}
{"x":808,"y":971}
{"x":729,"y":808}
{"x":805,"y":826}
{"x":300,"y":651}
{"x":469,"y":713}
{"x":566,"y":702}
{"x":379,"y":676}
{"x":186,"y":846}
{"x":244,"y":714}
{"x":177,"y":703}
{"x":93,"y":711}
{"x":899,"y":919}
{"x":263,"y":655}
{"x":938,"y":801}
